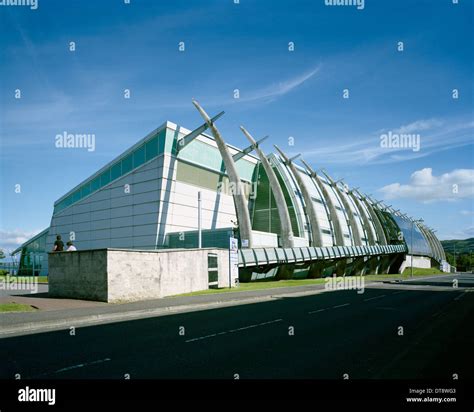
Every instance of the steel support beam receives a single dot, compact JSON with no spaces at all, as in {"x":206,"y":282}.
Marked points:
{"x":333,"y":217}
{"x":184,"y":141}
{"x":315,"y":229}
{"x":352,"y":223}
{"x":240,"y":201}
{"x":368,"y":227}
{"x":378,"y":226}
{"x":248,"y":149}
{"x":285,"y":222}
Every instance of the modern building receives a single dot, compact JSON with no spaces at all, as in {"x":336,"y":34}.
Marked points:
{"x":290,"y":220}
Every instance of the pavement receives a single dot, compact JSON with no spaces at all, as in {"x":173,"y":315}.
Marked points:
{"x":392,"y":330}
{"x":60,"y":313}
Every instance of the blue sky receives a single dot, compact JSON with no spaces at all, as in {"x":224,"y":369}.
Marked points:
{"x":282,"y":93}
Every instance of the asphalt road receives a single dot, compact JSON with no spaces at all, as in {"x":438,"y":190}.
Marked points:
{"x":318,"y":336}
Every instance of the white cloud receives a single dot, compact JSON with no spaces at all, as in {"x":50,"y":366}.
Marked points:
{"x":467,"y":212}
{"x":281,"y":88}
{"x":425,"y":187}
{"x":419,"y":126}
{"x":458,"y":234}
{"x":11,"y":239}
{"x":436,"y":135}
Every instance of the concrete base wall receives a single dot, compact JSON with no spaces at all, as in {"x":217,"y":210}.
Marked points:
{"x":418,"y":262}
{"x":114,"y":275}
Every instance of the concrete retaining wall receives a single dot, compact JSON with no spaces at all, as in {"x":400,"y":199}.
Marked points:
{"x":114,"y":275}
{"x":418,"y":262}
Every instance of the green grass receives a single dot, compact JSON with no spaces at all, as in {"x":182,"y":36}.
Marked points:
{"x":41,"y":279}
{"x":243,"y":287}
{"x":422,"y":272}
{"x":15,"y":307}
{"x":272,"y":284}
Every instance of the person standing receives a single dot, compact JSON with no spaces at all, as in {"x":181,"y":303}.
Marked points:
{"x":58,"y":245}
{"x":70,"y":247}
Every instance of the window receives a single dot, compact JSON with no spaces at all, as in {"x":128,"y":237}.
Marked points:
{"x":152,"y":148}
{"x":95,"y":185}
{"x":105,"y":178}
{"x":127,"y":164}
{"x":85,"y":190}
{"x":116,"y":171}
{"x":139,"y":156}
{"x":212,"y":267}
{"x":76,"y":196}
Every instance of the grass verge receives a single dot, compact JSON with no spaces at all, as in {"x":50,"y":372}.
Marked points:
{"x":273,"y":284}
{"x":422,"y":272}
{"x":15,"y":307}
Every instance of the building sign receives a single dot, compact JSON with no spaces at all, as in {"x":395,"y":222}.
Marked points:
{"x":233,"y":260}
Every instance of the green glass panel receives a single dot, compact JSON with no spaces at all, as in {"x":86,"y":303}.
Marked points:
{"x":139,"y":156}
{"x":76,"y":196}
{"x":127,"y":165}
{"x":152,"y":148}
{"x":116,"y":171}
{"x":86,"y":189}
{"x":95,"y":185}
{"x":105,"y":178}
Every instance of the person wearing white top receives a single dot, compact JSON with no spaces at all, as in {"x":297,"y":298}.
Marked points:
{"x":70,"y":247}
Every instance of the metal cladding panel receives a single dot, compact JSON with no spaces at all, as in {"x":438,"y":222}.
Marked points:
{"x":290,"y":257}
{"x":280,"y":254}
{"x":293,"y":190}
{"x":248,"y":257}
{"x":318,"y":201}
{"x":357,"y":215}
{"x":298,"y":254}
{"x":305,"y":253}
{"x":271,"y":255}
{"x":261,"y":257}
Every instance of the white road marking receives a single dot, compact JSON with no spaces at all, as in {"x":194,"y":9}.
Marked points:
{"x":81,"y":365}
{"x":397,"y":293}
{"x":436,"y":314}
{"x":340,"y":306}
{"x":316,"y":311}
{"x":233,"y":330}
{"x":375,"y":297}
{"x":460,"y":296}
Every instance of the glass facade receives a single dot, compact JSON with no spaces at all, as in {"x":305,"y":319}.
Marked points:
{"x":145,"y":152}
{"x":265,"y":217}
{"x":33,"y":256}
{"x":420,"y":245}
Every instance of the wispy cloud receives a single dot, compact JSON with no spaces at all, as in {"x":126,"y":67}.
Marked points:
{"x":281,"y":88}
{"x":11,"y":239}
{"x":426,"y":187}
{"x":458,"y":234}
{"x":419,"y":125}
{"x":436,"y":135}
